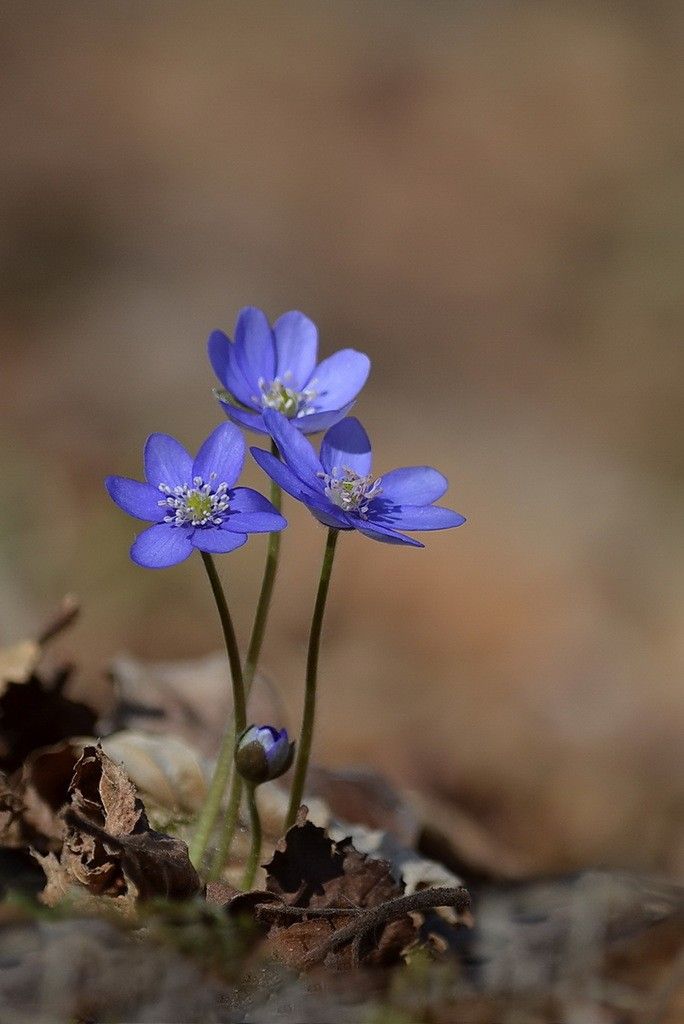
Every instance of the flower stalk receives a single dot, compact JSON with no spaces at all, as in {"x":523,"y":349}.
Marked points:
{"x":266,"y":592}
{"x":309,"y":713}
{"x":212,"y":803}
{"x":251,"y":663}
{"x":255,"y":830}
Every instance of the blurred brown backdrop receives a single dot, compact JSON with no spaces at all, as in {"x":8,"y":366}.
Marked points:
{"x":487,"y":198}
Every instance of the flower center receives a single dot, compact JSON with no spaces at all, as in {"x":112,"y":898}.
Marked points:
{"x":349,"y":491}
{"x":277,"y":395}
{"x":199,"y":504}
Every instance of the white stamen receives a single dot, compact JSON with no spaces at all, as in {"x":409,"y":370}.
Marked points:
{"x":277,"y":395}
{"x":349,"y":491}
{"x":197,"y":505}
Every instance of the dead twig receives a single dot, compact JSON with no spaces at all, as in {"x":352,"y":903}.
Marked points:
{"x":283,"y":910}
{"x":377,"y":917}
{"x":63,"y":618}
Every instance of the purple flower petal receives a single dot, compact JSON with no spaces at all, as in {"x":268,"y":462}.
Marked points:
{"x":161,"y":546}
{"x":222,"y":358}
{"x":244,"y":499}
{"x":218,"y":348}
{"x":250,"y":512}
{"x":312,"y":422}
{"x":413,"y":485}
{"x":347,"y":446}
{"x":242,"y":390}
{"x":254,"y":346}
{"x":139,"y":500}
{"x":166,"y":461}
{"x":284,"y":476}
{"x":328,"y":514}
{"x":339,"y":378}
{"x":254,"y":522}
{"x":217,"y":541}
{"x":222,"y":454}
{"x":296,"y":342}
{"x":296,"y":451}
{"x":250,"y":420}
{"x":416,"y":517}
{"x":383,"y":533}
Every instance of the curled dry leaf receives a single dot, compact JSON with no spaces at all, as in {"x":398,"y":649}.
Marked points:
{"x":43,"y":784}
{"x":310,"y":870}
{"x":36,"y":713}
{"x":34,"y":710}
{"x":157,"y":864}
{"x":165,"y":769}
{"x":413,"y":869}
{"x":11,"y":809}
{"x":109,"y":848}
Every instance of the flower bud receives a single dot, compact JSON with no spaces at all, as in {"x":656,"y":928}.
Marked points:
{"x":262,"y":753}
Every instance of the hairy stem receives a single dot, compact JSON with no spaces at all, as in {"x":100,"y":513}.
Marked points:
{"x":212,"y":803}
{"x":309,"y":714}
{"x":251,"y":662}
{"x":266,"y":593}
{"x":255,"y":846}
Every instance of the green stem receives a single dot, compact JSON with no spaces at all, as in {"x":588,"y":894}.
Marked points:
{"x":306,"y":732}
{"x":251,"y":662}
{"x":230,"y":820}
{"x":212,"y":803}
{"x":264,"y":603}
{"x":255,"y":847}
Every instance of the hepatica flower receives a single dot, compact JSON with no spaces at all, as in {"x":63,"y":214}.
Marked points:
{"x":342,"y":492}
{"x":193,"y":503}
{"x":276,"y":368}
{"x":263,"y":753}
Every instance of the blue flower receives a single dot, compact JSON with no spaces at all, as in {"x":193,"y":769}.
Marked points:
{"x":262,"y":753}
{"x":193,"y":503}
{"x":340,"y":490}
{"x":275,"y":368}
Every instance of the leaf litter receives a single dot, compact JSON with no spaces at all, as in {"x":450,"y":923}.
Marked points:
{"x":348,"y":891}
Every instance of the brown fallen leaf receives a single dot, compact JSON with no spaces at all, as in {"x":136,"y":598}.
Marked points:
{"x":36,"y":713}
{"x":309,"y":870}
{"x":109,"y":848}
{"x":11,"y":808}
{"x":166,"y":770}
{"x":157,"y":864}
{"x":101,"y":792}
{"x":43,"y":785}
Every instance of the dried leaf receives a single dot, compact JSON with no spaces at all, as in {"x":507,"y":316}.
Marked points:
{"x":61,"y":885}
{"x":413,"y":869}
{"x":303,"y":861}
{"x":11,"y":808}
{"x":44,"y":788}
{"x":101,"y":792}
{"x":309,"y":869}
{"x":157,"y":864}
{"x":35,"y":714}
{"x":109,"y":848}
{"x":165,"y":769}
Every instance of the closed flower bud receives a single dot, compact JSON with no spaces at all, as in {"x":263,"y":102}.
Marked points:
{"x":262,"y":753}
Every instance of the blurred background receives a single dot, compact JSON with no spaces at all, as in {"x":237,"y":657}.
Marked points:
{"x":487,"y":199}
